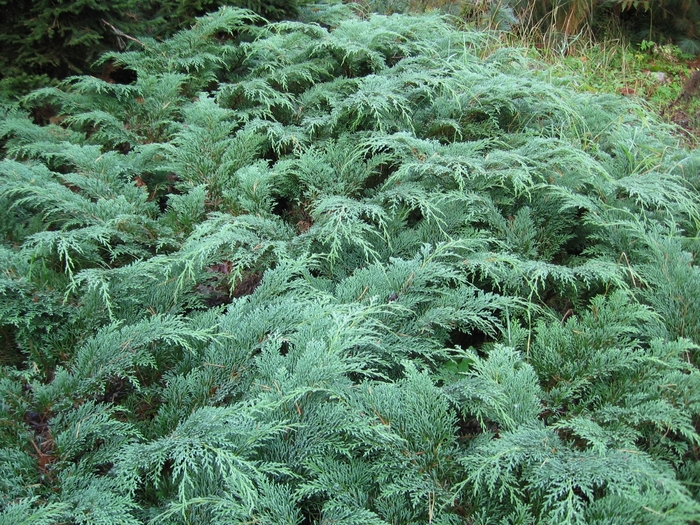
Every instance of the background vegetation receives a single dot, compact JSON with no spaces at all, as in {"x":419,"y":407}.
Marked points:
{"x":352,"y":269}
{"x":44,"y":40}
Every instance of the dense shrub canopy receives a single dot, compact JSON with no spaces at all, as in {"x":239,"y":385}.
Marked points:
{"x":353,"y":271}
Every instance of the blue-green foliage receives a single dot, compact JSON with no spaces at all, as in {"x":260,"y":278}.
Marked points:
{"x":364,"y":271}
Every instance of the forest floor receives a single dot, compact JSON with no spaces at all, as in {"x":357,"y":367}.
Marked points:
{"x":667,"y":79}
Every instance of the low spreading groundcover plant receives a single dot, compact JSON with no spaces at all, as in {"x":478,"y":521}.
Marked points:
{"x":352,"y":271}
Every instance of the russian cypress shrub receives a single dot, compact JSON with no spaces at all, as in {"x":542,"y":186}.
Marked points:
{"x":369,"y":271}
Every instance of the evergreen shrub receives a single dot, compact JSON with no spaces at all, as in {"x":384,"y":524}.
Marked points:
{"x":348,"y":270}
